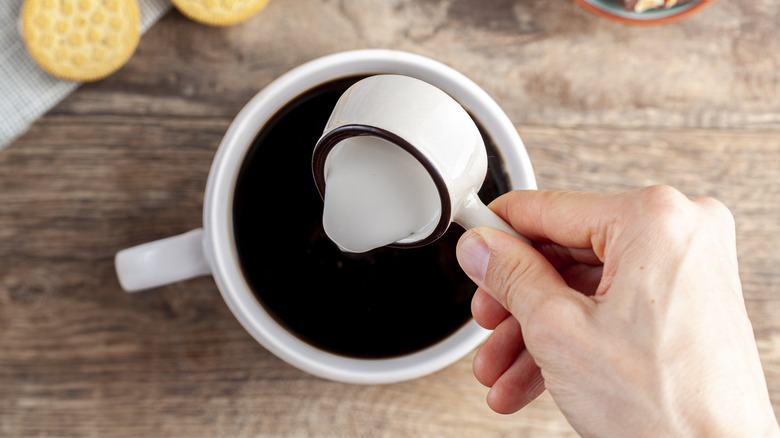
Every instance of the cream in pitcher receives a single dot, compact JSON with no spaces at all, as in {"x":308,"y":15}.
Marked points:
{"x":376,"y":194}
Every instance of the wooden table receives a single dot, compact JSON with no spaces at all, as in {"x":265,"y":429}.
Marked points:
{"x":600,"y":106}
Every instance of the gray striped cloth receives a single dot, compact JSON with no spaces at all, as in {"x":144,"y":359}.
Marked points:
{"x":26,"y":91}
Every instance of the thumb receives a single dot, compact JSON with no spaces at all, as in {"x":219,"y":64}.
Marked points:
{"x":513,"y":273}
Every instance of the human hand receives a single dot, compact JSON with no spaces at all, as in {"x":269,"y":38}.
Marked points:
{"x":628,"y":309}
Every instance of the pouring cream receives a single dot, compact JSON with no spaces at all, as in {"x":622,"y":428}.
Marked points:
{"x":376,"y":193}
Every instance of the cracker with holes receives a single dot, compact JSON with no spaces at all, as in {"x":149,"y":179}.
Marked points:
{"x":81,"y":40}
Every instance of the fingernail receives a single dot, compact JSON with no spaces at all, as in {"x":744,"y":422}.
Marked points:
{"x":473,"y":255}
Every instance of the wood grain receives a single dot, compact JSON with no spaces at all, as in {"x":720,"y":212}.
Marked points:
{"x":600,"y":106}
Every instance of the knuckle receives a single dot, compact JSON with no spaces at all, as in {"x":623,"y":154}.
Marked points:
{"x":664,"y":200}
{"x":668,"y":216}
{"x":715,"y":210}
{"x":664,"y":209}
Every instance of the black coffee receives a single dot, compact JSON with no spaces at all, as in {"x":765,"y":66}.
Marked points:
{"x":383,"y":303}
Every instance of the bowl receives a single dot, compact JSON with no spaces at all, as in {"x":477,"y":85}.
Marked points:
{"x":613,"y":10}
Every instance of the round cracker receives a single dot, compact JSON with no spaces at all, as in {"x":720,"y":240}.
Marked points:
{"x":219,"y":12}
{"x":81,"y":40}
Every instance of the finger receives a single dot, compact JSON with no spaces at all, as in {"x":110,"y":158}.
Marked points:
{"x":519,"y":385}
{"x":512,"y":272}
{"x":561,"y":256}
{"x":498,"y":352}
{"x":570,"y":219}
{"x":580,"y":267}
{"x":487,"y":312}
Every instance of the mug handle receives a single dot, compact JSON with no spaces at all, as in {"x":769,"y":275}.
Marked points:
{"x":162,"y":262}
{"x":474,"y":213}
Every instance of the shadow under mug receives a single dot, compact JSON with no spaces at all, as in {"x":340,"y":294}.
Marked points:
{"x":214,"y":250}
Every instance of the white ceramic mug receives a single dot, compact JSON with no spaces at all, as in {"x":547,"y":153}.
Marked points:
{"x":211,"y":250}
{"x":426,"y":123}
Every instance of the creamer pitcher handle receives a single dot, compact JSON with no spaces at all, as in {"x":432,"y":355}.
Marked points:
{"x":474,"y":213}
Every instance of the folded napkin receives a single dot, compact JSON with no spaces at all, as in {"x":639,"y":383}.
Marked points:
{"x":27,"y":91}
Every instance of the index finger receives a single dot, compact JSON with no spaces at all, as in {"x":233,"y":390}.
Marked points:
{"x":570,"y":219}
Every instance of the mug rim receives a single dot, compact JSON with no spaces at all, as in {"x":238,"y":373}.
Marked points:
{"x":218,"y":216}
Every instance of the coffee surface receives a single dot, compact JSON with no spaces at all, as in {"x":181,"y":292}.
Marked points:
{"x":383,"y":303}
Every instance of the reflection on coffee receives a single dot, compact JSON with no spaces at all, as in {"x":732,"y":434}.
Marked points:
{"x":383,"y":303}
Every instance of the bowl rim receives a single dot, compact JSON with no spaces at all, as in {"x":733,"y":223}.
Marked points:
{"x":672,"y":17}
